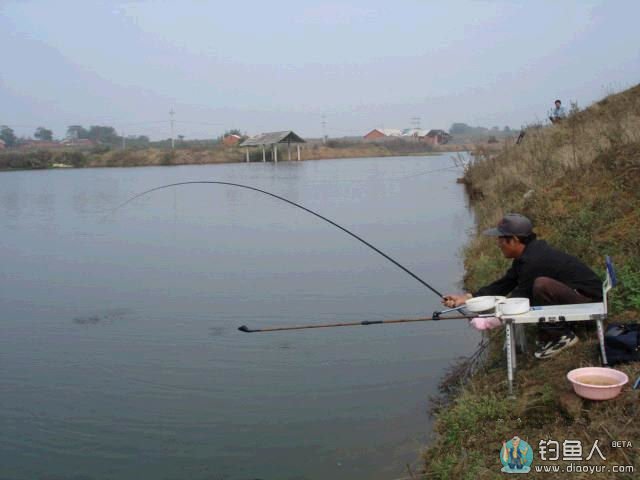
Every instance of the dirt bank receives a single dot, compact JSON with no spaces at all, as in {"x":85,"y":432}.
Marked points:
{"x":579,"y":181}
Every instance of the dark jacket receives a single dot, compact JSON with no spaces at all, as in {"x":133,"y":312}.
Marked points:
{"x":541,"y":260}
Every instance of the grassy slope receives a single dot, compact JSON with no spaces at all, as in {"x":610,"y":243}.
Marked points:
{"x":580,"y":183}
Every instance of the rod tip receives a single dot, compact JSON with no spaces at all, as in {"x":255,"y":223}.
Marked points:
{"x":244,"y":328}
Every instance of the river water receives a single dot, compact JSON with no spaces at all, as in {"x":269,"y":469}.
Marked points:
{"x":119,"y":351}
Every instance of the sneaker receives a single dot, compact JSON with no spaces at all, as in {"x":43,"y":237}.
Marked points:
{"x":554,"y":347}
{"x":542,"y":344}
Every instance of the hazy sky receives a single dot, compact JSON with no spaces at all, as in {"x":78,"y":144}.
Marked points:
{"x":279,"y":65}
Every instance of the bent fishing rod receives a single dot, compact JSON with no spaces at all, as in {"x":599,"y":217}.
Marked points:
{"x":308,"y":210}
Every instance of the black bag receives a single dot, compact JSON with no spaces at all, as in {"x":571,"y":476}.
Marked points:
{"x":622,"y":343}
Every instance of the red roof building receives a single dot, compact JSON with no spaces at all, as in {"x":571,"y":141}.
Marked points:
{"x":39,"y":144}
{"x":378,"y":133}
{"x":436,"y":137}
{"x":231,"y":140}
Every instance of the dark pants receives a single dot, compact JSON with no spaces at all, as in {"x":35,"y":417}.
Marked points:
{"x":547,"y":291}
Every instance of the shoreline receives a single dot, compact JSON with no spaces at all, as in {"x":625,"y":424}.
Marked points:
{"x":16,"y":160}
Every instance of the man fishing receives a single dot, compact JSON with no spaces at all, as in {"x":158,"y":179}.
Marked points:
{"x":542,"y":274}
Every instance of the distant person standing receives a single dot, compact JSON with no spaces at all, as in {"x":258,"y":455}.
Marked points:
{"x":558,"y":113}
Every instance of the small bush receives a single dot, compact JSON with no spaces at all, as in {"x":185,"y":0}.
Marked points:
{"x":485,"y":268}
{"x":626,"y":296}
{"x":26,"y":160}
{"x":442,"y":467}
{"x":168,"y":158}
{"x":100,"y":149}
{"x":468,"y":413}
{"x":75,"y":158}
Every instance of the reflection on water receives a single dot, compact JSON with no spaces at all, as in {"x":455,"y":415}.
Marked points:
{"x":120,"y":355}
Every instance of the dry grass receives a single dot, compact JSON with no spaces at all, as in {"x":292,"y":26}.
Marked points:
{"x":548,"y":154}
{"x":587,"y":203}
{"x":471,"y":429}
{"x":580,"y":183}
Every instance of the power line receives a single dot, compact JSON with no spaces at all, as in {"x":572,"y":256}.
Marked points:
{"x":140,"y":123}
{"x":324,"y":129}
{"x":171,"y":113}
{"x":200,"y":123}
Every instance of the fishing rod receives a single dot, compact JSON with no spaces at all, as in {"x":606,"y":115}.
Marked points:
{"x":308,"y":210}
{"x":434,"y":318}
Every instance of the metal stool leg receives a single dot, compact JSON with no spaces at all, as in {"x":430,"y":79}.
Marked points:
{"x":603,"y":353}
{"x":521,"y":338}
{"x":510,"y":354}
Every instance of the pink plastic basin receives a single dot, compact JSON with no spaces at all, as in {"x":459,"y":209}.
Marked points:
{"x":596,"y":383}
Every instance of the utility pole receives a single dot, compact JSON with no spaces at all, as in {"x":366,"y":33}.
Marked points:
{"x":171,"y":113}
{"x":324,"y":129}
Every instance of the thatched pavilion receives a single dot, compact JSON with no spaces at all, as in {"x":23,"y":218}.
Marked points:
{"x":272,"y":140}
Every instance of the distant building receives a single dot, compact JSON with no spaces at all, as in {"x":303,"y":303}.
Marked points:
{"x":416,"y":133}
{"x":231,"y":140}
{"x":378,"y":133}
{"x":432,"y":137}
{"x":78,"y":142}
{"x":436,"y":137}
{"x":2,"y":145}
{"x":271,"y":141}
{"x":39,"y":144}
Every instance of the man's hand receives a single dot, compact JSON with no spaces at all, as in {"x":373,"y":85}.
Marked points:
{"x":452,"y":301}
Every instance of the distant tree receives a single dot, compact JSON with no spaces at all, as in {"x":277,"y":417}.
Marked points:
{"x":574,"y":108}
{"x":460,"y":129}
{"x":506,"y":129}
{"x":181,"y":138}
{"x":77,"y":131}
{"x":233,"y":131}
{"x":102,"y":134}
{"x":136,"y":141}
{"x":8,"y":136}
{"x":495,"y":129}
{"x":43,"y":134}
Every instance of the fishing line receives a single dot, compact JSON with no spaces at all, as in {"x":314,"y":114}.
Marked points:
{"x":239,"y":185}
{"x":390,"y":179}
{"x":369,"y":180}
{"x":413,"y":175}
